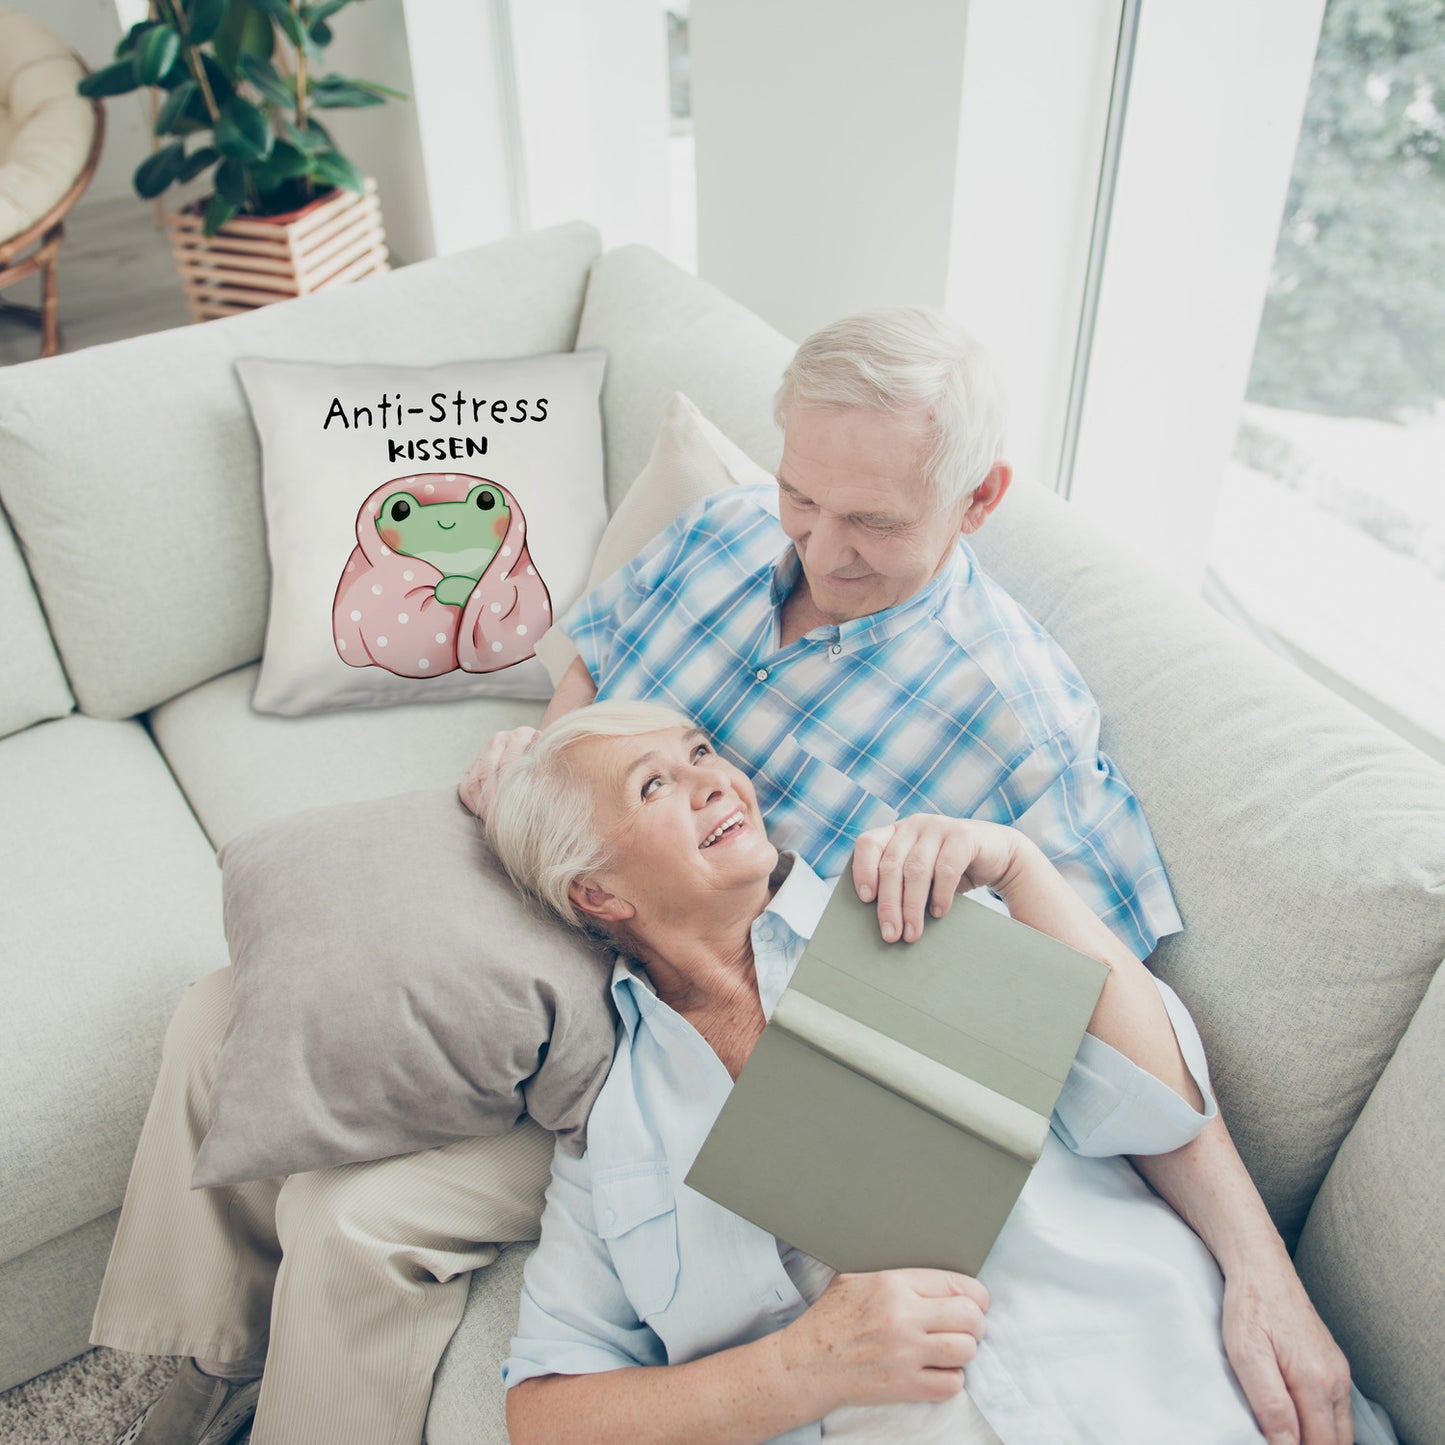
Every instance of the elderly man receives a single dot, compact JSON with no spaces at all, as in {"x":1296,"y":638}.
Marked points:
{"x":838,"y":640}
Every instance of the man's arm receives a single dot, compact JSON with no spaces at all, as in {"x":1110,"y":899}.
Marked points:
{"x":1295,"y":1377}
{"x":576,"y":689}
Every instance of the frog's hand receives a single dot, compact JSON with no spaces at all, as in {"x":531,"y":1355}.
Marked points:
{"x":455,"y":590}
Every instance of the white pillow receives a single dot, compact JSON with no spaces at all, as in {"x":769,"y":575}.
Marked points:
{"x":691,"y":459}
{"x":423,"y":523}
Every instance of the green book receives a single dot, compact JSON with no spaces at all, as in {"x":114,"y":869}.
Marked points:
{"x":900,"y":1094}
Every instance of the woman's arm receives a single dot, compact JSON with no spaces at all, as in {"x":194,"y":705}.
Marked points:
{"x":903,"y":1334}
{"x":917,"y":865}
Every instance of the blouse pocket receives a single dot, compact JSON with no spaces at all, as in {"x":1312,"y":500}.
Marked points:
{"x":637,"y":1217}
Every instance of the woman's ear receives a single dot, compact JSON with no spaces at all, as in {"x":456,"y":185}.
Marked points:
{"x":596,"y":902}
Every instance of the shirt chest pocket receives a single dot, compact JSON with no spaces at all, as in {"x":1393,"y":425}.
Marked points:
{"x":637,"y":1218}
{"x":817,"y":809}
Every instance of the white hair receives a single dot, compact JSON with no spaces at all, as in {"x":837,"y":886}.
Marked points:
{"x":908,"y":360}
{"x":542,"y":819}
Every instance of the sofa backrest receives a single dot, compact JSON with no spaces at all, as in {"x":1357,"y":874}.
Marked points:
{"x":1302,"y":840}
{"x":32,"y":682}
{"x":131,"y":473}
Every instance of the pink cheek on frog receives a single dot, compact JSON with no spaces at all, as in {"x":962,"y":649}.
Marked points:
{"x":500,"y":526}
{"x":391,"y":537}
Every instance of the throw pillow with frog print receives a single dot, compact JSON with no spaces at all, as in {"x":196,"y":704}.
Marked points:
{"x":424,"y":524}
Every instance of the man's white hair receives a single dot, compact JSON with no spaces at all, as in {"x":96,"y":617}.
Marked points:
{"x":908,"y":360}
{"x":542,"y":820}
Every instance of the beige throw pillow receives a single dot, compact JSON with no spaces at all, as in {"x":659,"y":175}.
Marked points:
{"x":691,"y":459}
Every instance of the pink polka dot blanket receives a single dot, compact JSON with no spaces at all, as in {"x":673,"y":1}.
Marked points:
{"x":424,"y":524}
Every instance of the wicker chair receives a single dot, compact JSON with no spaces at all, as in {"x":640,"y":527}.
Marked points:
{"x":50,"y":140}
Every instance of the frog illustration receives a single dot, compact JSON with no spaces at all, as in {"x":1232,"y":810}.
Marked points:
{"x":459,"y":539}
{"x":440,"y":579}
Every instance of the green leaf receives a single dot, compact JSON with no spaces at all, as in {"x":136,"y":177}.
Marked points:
{"x":278,"y":89}
{"x":197,"y":161}
{"x":287,"y":163}
{"x":242,"y":132}
{"x":320,"y":35}
{"x":333,"y":92}
{"x":222,"y":85}
{"x":174,"y":109}
{"x":244,"y":31}
{"x":131,"y":38}
{"x":324,"y":11}
{"x":218,"y":212}
{"x":117,"y":79}
{"x":285,"y":17}
{"x":313,"y":140}
{"x":157,"y":171}
{"x":158,"y":50}
{"x":378,"y":89}
{"x":203,"y":19}
{"x":333,"y":168}
{"x":231,"y":182}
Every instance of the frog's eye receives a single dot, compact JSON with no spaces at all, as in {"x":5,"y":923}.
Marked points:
{"x":399,"y":510}
{"x":486,"y":500}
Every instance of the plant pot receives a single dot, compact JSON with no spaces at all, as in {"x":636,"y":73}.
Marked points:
{"x":255,"y":260}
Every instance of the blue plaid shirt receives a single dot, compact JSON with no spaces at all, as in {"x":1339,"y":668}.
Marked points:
{"x":954,"y":702}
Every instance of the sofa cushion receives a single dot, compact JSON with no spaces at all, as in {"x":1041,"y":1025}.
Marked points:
{"x":1302,"y":841}
{"x":239,"y":768}
{"x":664,"y":331}
{"x":399,"y":575}
{"x":149,"y":441}
{"x":32,"y":683}
{"x":110,"y":906}
{"x":1373,"y":1250}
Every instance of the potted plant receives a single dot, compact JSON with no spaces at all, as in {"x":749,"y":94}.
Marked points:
{"x":239,"y":85}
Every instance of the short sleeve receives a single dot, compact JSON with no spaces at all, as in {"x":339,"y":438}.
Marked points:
{"x":575,"y":1318}
{"x":598,"y":619}
{"x":1109,"y":1105}
{"x":1076,"y":805}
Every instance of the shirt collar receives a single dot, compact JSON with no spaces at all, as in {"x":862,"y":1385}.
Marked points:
{"x":878,"y":626}
{"x":779,"y":933}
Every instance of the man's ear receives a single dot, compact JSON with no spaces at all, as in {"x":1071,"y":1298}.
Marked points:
{"x":986,"y":496}
{"x":596,"y":902}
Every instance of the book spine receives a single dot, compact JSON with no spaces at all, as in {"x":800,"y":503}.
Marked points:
{"x":953,"y":1097}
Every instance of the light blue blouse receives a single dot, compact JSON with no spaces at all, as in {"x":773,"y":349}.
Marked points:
{"x":1105,"y":1316}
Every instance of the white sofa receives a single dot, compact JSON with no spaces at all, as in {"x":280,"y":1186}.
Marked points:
{"x":1306,"y":846}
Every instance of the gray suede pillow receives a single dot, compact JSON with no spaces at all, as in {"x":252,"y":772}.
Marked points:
{"x":392,"y":992}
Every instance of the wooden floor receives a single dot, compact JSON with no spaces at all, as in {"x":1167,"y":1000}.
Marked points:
{"x":117,"y":279}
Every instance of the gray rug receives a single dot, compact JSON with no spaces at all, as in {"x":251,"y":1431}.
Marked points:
{"x":86,"y":1402}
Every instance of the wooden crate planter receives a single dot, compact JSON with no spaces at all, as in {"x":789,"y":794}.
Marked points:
{"x":255,"y":260}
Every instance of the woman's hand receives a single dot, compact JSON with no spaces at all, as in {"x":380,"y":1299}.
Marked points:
{"x":897,"y":1335}
{"x":918,"y":864}
{"x":475,"y":788}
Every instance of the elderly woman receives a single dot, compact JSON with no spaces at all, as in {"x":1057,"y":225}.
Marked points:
{"x":653,"y":1314}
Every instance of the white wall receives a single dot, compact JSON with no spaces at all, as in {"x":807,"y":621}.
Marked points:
{"x":827,"y":147}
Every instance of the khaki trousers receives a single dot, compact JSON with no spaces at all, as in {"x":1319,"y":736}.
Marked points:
{"x":350,"y":1281}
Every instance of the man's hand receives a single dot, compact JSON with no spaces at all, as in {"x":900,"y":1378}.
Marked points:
{"x":475,"y":788}
{"x":1295,"y":1377}
{"x":916,"y":865}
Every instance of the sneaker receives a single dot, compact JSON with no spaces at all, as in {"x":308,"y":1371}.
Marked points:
{"x":195,"y":1409}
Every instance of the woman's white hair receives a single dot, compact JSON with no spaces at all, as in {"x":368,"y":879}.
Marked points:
{"x":542,"y":819}
{"x":908,"y":360}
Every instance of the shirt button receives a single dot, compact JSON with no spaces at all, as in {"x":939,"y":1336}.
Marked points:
{"x":761,"y":674}
{"x":836,"y":648}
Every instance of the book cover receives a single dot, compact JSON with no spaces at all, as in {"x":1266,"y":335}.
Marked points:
{"x":900,"y":1094}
